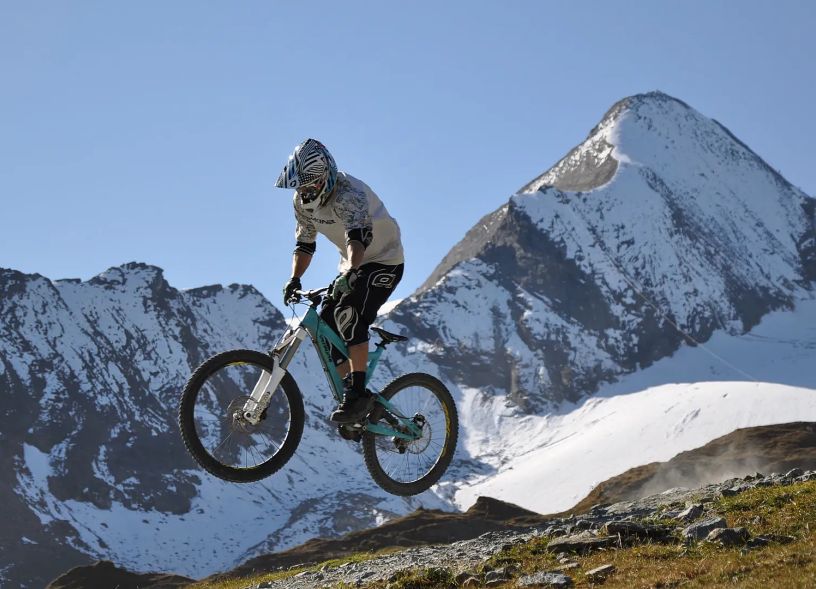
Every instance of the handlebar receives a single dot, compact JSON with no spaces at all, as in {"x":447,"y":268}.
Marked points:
{"x":314,"y":296}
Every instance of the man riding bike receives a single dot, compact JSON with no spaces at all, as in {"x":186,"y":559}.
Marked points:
{"x":353,"y":218}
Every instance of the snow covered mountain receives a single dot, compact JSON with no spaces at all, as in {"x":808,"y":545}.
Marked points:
{"x":548,"y":463}
{"x":90,"y":376}
{"x":660,"y":217}
{"x":661,"y":221}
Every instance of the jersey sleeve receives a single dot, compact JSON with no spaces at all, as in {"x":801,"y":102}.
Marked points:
{"x":351,"y":207}
{"x":305,"y":230}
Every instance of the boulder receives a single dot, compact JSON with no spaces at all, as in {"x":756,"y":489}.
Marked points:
{"x":728,"y":537}
{"x":701,"y":529}
{"x":580,"y":544}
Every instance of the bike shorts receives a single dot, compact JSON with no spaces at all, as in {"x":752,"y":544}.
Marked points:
{"x":354,"y":312}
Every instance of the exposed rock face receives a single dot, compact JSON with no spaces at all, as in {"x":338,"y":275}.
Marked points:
{"x":660,"y":224}
{"x":90,"y":375}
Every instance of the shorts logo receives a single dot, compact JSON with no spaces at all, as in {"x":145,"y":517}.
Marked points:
{"x":346,"y":319}
{"x":384,"y":281}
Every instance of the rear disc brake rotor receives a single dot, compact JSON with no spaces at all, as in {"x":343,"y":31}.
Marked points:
{"x":421,"y":444}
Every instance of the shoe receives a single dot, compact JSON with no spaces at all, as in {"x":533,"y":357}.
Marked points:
{"x":354,"y":407}
{"x":357,"y":401}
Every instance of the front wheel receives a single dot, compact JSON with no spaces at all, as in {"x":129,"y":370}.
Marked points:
{"x":410,"y":467}
{"x":214,"y":429}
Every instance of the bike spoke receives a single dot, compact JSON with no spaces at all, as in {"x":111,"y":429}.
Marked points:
{"x":214,"y":450}
{"x":271,"y":441}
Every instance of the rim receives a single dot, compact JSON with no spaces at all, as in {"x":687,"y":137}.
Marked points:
{"x":223,"y":432}
{"x":407,"y":462}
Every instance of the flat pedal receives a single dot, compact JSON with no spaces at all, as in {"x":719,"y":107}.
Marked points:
{"x":350,"y":432}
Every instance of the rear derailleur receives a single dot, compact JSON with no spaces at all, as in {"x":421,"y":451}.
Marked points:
{"x":401,"y":444}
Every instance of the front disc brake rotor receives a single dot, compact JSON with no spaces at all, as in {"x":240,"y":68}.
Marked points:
{"x":235,"y":416}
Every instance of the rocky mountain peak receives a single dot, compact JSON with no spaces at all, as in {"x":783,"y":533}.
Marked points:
{"x":658,"y":229}
{"x":133,"y":276}
{"x":654,"y":130}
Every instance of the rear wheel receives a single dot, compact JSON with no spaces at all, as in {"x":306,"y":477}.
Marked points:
{"x":409,"y":467}
{"x":214,"y":430}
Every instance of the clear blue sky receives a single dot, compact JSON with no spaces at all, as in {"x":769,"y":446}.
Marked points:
{"x":154,"y":131}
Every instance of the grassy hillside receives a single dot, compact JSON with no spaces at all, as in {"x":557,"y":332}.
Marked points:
{"x":784,"y":516}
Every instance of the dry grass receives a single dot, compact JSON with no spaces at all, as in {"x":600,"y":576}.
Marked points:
{"x":788,"y":511}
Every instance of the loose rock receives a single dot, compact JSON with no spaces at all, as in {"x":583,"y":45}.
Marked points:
{"x":496,"y":577}
{"x":701,"y":529}
{"x":778,"y":538}
{"x":459,"y":579}
{"x":628,"y":530}
{"x":691,"y":513}
{"x":600,"y":573}
{"x":579,"y":544}
{"x":542,"y":579}
{"x":728,"y":537}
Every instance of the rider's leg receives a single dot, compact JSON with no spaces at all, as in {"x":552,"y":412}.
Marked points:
{"x":358,"y":359}
{"x":353,"y":315}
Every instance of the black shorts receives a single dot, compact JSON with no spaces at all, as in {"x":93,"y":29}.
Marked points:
{"x":353,"y":313}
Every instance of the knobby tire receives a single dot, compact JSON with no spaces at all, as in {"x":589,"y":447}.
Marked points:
{"x":190,"y":435}
{"x":372,"y":462}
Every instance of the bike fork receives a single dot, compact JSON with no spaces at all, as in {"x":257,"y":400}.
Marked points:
{"x":269,"y":381}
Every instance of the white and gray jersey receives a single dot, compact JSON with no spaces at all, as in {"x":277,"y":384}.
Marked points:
{"x":354,"y":208}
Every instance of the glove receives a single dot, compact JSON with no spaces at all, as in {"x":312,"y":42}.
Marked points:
{"x":289,"y":295}
{"x":343,"y":284}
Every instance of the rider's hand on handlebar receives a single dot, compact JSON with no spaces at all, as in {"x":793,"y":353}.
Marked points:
{"x":290,"y":291}
{"x":343,"y":284}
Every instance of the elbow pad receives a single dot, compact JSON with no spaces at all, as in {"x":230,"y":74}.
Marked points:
{"x":305,"y":247}
{"x":364,"y":235}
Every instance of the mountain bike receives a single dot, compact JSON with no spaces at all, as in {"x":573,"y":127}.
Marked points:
{"x":241,"y":413}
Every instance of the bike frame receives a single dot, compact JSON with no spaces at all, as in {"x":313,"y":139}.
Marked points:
{"x":324,"y":337}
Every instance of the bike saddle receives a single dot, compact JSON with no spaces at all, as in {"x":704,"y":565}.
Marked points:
{"x":387,"y":336}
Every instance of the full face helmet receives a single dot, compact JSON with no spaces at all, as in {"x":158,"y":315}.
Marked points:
{"x":311,"y":171}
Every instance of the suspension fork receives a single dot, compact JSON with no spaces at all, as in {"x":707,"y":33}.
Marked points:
{"x":282,"y":354}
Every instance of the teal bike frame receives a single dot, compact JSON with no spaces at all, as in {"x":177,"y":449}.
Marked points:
{"x":324,"y":338}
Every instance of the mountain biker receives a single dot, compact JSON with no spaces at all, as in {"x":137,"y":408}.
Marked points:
{"x":353,"y":218}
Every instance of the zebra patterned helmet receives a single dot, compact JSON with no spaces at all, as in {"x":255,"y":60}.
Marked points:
{"x":311,"y":170}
